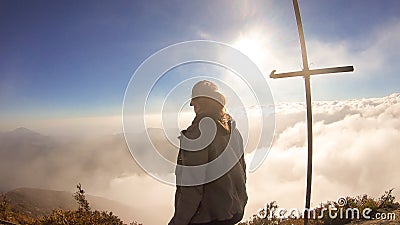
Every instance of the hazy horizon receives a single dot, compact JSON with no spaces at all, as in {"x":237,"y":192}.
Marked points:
{"x":109,"y":125}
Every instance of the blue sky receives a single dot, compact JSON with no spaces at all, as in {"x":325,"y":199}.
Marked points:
{"x":64,"y":59}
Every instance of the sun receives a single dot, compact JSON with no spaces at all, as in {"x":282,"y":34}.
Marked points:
{"x":254,"y":45}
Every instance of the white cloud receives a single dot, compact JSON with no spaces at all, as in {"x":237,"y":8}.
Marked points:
{"x":355,"y":152}
{"x":153,"y":201}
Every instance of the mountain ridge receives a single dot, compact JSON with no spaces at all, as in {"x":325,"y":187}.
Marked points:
{"x":37,"y":202}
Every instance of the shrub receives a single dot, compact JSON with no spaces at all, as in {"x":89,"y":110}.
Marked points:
{"x":386,"y":203}
{"x":83,"y":215}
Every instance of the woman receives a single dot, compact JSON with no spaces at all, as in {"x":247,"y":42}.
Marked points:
{"x":202,"y":198}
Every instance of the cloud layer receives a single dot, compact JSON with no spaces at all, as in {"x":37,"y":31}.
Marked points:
{"x":355,"y":152}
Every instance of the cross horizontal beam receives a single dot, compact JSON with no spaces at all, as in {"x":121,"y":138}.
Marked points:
{"x":312,"y":72}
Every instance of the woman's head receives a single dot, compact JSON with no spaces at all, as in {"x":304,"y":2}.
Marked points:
{"x":207,"y":99}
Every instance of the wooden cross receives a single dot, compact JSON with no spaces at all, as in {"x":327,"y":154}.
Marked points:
{"x":306,"y":73}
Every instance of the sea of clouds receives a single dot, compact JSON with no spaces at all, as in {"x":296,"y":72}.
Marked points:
{"x":355,"y":152}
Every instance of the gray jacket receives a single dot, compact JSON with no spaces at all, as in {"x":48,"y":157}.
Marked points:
{"x":220,"y":199}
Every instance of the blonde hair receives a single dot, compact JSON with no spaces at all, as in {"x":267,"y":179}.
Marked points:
{"x":212,"y":108}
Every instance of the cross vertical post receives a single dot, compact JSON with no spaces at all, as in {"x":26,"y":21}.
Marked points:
{"x":306,"y":73}
{"x":308,"y":104}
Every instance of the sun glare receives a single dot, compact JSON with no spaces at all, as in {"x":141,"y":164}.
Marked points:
{"x":253,"y":44}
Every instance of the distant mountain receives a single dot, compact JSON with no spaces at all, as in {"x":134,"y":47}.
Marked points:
{"x":23,"y":131}
{"x":40,"y":202}
{"x":23,"y":136}
{"x":31,"y":159}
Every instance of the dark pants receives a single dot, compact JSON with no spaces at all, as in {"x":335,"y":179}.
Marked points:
{"x":235,"y":219}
